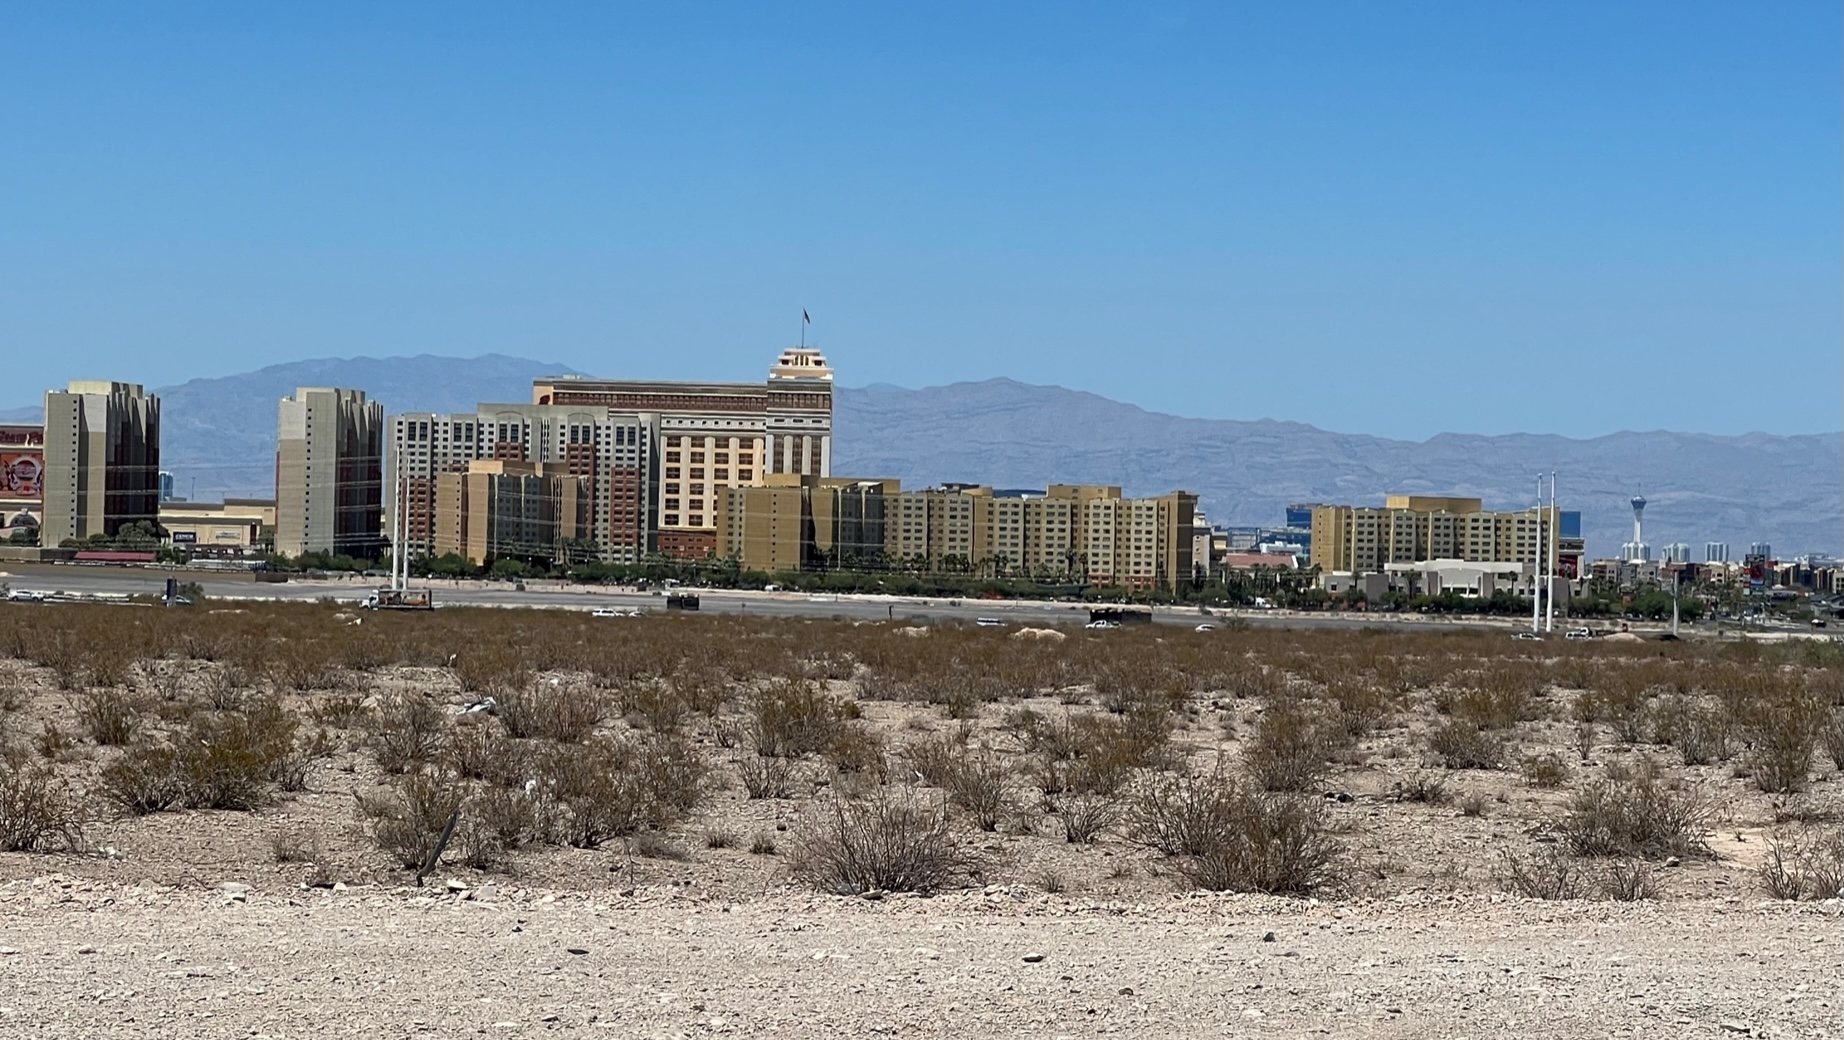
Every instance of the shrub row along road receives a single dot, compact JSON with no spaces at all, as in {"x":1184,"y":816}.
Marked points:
{"x":88,"y":960}
{"x":82,"y":581}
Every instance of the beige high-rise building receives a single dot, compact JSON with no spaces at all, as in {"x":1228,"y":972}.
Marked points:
{"x":507,"y":509}
{"x":102,"y":460}
{"x":801,"y":523}
{"x":716,"y":436}
{"x":329,"y":459}
{"x":612,"y":451}
{"x":1418,"y":528}
{"x":1087,"y":533}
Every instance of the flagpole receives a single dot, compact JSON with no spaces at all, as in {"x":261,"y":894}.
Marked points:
{"x":803,"y":330}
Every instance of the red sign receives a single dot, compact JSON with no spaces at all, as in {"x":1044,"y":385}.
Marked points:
{"x":22,"y":475}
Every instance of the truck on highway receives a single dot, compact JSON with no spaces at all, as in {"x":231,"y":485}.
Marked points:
{"x":682,"y":601}
{"x":400,"y":599}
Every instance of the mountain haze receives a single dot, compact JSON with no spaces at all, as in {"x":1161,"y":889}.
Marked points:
{"x":1784,"y":490}
{"x":1756,"y":487}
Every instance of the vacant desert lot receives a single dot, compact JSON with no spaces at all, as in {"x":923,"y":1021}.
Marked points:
{"x":208,"y":819}
{"x":86,"y":960}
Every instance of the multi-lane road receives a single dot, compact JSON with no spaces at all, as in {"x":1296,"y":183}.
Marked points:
{"x":557,"y":596}
{"x":98,"y":582}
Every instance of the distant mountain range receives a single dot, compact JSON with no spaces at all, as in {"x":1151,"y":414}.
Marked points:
{"x":1758,"y":487}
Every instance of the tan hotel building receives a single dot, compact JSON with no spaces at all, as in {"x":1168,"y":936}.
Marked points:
{"x":1084,"y":533}
{"x":715,"y":436}
{"x":655,"y":456}
{"x":1420,"y":528}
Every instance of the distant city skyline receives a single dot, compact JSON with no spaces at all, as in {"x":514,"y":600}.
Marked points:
{"x":1398,"y":221}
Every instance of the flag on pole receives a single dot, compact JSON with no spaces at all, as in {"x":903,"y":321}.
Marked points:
{"x":805,"y":318}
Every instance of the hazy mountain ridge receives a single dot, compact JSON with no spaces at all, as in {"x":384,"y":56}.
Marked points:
{"x":1700,"y":487}
{"x":1781,"y":489}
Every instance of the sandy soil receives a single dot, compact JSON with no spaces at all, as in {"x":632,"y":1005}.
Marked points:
{"x":83,"y":959}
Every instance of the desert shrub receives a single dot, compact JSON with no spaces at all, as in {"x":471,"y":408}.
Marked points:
{"x":407,"y":732}
{"x":143,"y":779}
{"x":1782,"y":737}
{"x":37,"y":811}
{"x":655,"y":703}
{"x":933,"y":759}
{"x":53,"y":744}
{"x":1492,"y":707}
{"x":1628,"y":881}
{"x":888,"y":842}
{"x":340,"y":711}
{"x":718,"y":838}
{"x":1230,"y":835}
{"x":1547,"y":875}
{"x":503,"y":813}
{"x":484,"y":667}
{"x":228,"y":761}
{"x":300,"y":665}
{"x":609,"y":788}
{"x":1833,"y":737}
{"x":1622,"y":696}
{"x":225,"y":688}
{"x":1255,"y":681}
{"x":484,"y":752}
{"x":762,"y":843}
{"x":550,"y":711}
{"x":408,"y":820}
{"x":1805,"y":867}
{"x":293,"y":846}
{"x":1702,"y":733}
{"x":1545,"y":770}
{"x":1086,"y":816}
{"x":290,"y":770}
{"x":1086,"y":753}
{"x":1426,"y":788}
{"x":791,"y":718}
{"x":980,"y":783}
{"x":1637,"y":818}
{"x":1291,"y":748}
{"x":108,"y":715}
{"x":1460,"y":744}
{"x":857,"y":749}
{"x":766,"y":777}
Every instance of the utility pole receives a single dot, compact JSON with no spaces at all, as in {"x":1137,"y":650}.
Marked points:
{"x":1549,"y":552}
{"x":1536,"y":563}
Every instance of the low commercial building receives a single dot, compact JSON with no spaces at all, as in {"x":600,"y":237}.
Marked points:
{"x":235,"y":526}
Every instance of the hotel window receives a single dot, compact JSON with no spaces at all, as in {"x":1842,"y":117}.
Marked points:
{"x":671,"y":520}
{"x":721,"y":474}
{"x":672,"y":456}
{"x":697,"y":456}
{"x":697,"y":472}
{"x":672,"y":472}
{"x":721,"y":457}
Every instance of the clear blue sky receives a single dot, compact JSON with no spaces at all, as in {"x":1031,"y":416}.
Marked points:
{"x":1376,"y":217}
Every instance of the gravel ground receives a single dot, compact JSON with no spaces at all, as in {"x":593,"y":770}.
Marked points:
{"x":81,"y":958}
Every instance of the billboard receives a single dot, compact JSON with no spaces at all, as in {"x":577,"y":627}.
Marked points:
{"x":22,"y":475}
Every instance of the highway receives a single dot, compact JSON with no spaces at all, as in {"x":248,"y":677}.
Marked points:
{"x":116,"y":582}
